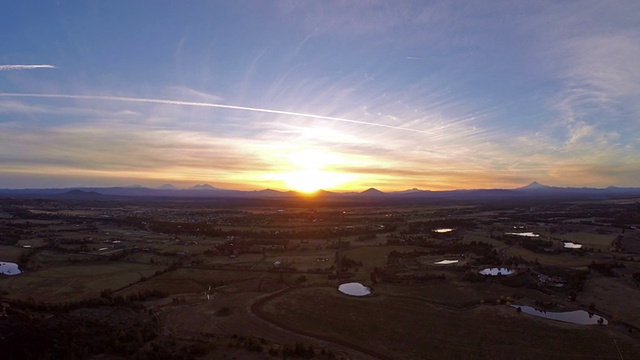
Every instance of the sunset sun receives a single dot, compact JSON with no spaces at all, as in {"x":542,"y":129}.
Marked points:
{"x":312,"y":172}
{"x":309,"y":181}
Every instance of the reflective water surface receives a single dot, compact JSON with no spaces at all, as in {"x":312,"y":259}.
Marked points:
{"x":572,"y":245}
{"x":446,"y":262}
{"x":580,"y":317}
{"x":496,"y":271}
{"x":528,"y":234}
{"x":354,"y":289}
{"x":9,"y":268}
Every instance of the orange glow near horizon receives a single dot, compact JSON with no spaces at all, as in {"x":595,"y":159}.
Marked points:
{"x":311,"y":171}
{"x":304,"y":171}
{"x":310,"y":181}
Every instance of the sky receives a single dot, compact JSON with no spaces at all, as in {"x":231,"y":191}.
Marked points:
{"x":303,"y":95}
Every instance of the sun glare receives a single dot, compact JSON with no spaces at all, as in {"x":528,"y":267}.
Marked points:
{"x":311,"y":172}
{"x":309,"y":181}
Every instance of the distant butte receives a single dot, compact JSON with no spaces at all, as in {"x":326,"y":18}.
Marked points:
{"x":534,"y":186}
{"x":203,"y":187}
{"x":372,"y":191}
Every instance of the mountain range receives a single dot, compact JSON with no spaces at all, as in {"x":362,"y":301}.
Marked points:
{"x":531,"y":191}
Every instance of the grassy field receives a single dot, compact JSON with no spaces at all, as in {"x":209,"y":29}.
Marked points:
{"x":10,"y":253}
{"x":302,"y":262}
{"x":73,"y":282}
{"x":34,"y":242}
{"x":565,"y":259}
{"x":614,"y":297}
{"x":451,"y":293}
{"x":413,"y":329}
{"x":244,"y":261}
{"x":184,"y":280}
{"x":148,"y":257}
{"x":475,"y":236}
{"x":374,"y":256}
{"x":590,"y":240}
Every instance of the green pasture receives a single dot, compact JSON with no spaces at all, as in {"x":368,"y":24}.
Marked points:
{"x":189,"y":280}
{"x":563,"y":259}
{"x":73,"y":282}
{"x":11,"y":253}
{"x":307,"y":261}
{"x":590,"y":240}
{"x":372,"y":257}
{"x":616,"y":298}
{"x":413,"y":329}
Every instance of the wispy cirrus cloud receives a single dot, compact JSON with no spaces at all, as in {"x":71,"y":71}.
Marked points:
{"x":89,"y":127}
{"x":586,"y":53}
{"x":207,"y":105}
{"x":25,"y":67}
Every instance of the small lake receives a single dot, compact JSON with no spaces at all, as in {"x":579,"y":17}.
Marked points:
{"x":446,"y":262}
{"x":443,"y":230}
{"x":354,"y":289}
{"x":9,"y":268}
{"x":496,"y":271}
{"x":527,"y":234}
{"x":572,"y":245}
{"x":579,"y":317}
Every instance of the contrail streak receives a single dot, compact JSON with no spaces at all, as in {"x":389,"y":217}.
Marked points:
{"x":210,"y":105}
{"x":25,"y":67}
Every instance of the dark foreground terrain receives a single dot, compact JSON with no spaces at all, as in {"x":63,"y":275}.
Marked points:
{"x":216,"y":279}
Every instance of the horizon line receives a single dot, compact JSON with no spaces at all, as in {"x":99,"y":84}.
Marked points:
{"x":214,"y":188}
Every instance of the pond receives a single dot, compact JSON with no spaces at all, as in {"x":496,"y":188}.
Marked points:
{"x":579,"y":317}
{"x":496,"y":271}
{"x":446,"y":262}
{"x":572,"y":245}
{"x":9,"y":268}
{"x":354,"y":289}
{"x":527,"y":234}
{"x":443,"y":230}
